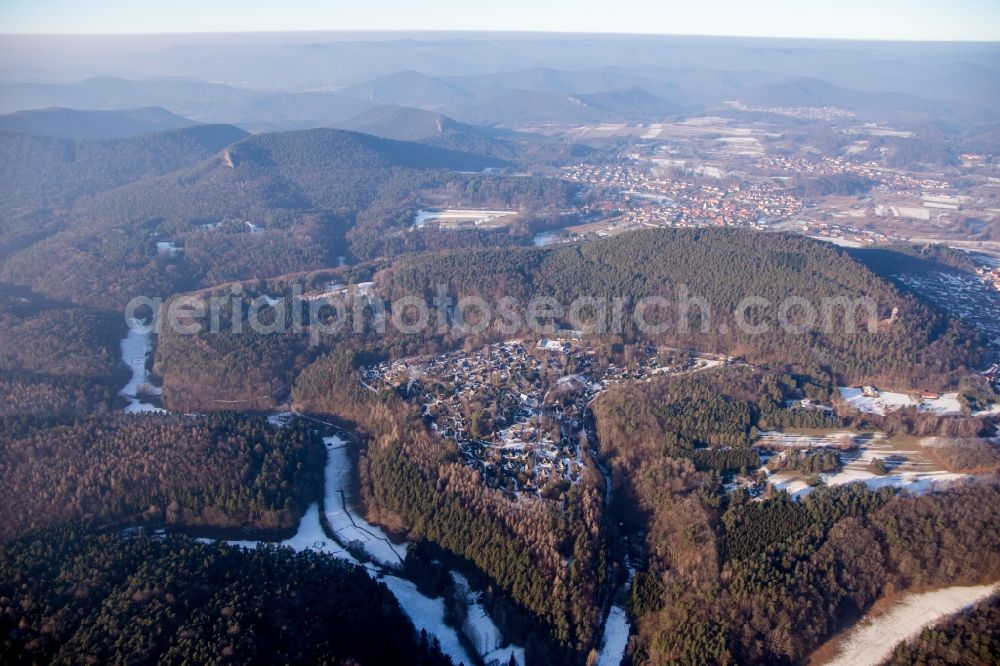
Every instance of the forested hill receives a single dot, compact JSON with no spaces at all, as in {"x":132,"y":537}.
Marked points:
{"x":305,"y":150}
{"x":99,"y":209}
{"x":69,"y":596}
{"x":409,"y":124}
{"x":37,"y":171}
{"x":74,"y":124}
{"x":918,"y":345}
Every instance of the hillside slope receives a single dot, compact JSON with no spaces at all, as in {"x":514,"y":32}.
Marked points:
{"x":74,"y":124}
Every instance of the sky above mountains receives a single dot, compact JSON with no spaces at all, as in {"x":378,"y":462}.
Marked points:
{"x":958,"y":20}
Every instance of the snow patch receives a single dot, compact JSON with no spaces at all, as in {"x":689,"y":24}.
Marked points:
{"x":616,"y":631}
{"x":135,"y":348}
{"x":349,"y":527}
{"x":872,"y":640}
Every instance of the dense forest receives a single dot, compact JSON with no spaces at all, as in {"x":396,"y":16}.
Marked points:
{"x":730,"y":579}
{"x":44,"y":171}
{"x":224,"y":471}
{"x":915,"y":347}
{"x":68,"y":595}
{"x":722,"y":267}
{"x":720,"y":576}
{"x":546,"y":557}
{"x":56,"y":360}
{"x":234,"y":207}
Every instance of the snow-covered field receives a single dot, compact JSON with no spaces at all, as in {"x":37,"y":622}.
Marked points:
{"x":887,"y":401}
{"x":545,"y":238}
{"x":348,"y":526}
{"x":135,"y":347}
{"x":913,"y":482}
{"x":427,"y":614}
{"x":839,"y":241}
{"x":773,"y":438}
{"x":910,"y":467}
{"x":872,"y":640}
{"x":309,"y":537}
{"x":482,"y":631}
{"x":424,"y":612}
{"x":455,"y":216}
{"x":167,"y":248}
{"x":615,"y":638}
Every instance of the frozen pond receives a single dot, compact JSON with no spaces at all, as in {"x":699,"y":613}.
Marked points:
{"x":136,"y":347}
{"x":349,"y":527}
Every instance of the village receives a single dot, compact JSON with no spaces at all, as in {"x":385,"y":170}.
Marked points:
{"x":517,"y":410}
{"x":714,"y":171}
{"x":644,"y":195}
{"x":974,"y":298}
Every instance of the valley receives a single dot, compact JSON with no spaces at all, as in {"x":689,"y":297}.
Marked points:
{"x":498,"y":348}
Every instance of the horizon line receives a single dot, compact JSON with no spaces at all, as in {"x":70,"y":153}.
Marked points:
{"x":559,"y":33}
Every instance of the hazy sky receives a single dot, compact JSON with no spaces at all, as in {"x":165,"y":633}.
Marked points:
{"x":847,"y":19}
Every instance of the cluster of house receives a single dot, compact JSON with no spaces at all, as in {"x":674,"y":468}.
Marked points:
{"x":644,"y":198}
{"x":825,"y":113}
{"x":842,"y":233}
{"x":972,"y":298}
{"x":517,"y":410}
{"x":786,"y":165}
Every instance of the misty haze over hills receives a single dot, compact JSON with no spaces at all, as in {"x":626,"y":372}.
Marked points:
{"x":294,"y":81}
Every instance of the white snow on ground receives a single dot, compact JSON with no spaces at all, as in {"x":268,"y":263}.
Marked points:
{"x":615,"y":638}
{"x":887,"y":401}
{"x":482,"y":632}
{"x":837,"y":240}
{"x":167,"y":248}
{"x":348,"y":526}
{"x":309,"y":537}
{"x":135,"y":347}
{"x":912,"y":470}
{"x":545,"y":238}
{"x":777,"y":439}
{"x":427,"y":614}
{"x":280,"y":419}
{"x":872,"y":640}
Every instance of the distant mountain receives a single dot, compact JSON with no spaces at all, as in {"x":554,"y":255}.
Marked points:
{"x":410,"y":124}
{"x":110,"y":93}
{"x":409,"y":88}
{"x":524,"y":107}
{"x":37,"y":171}
{"x":525,"y":96}
{"x":806,"y":91}
{"x":200,"y":101}
{"x":547,"y":79}
{"x":74,"y":124}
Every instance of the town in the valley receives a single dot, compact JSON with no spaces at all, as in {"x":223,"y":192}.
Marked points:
{"x":517,"y":410}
